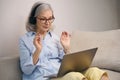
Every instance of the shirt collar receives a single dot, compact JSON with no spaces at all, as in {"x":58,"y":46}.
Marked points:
{"x":31,"y":33}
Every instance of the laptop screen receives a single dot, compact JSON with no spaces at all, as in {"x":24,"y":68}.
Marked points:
{"x":77,"y":61}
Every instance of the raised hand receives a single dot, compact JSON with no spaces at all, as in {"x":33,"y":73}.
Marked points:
{"x":37,"y":41}
{"x":38,"y":45}
{"x":65,"y":41}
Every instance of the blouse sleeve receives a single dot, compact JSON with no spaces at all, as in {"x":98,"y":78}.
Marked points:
{"x":61,"y":51}
{"x":26,"y":59}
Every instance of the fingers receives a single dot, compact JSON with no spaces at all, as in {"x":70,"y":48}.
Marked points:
{"x":37,"y":41}
{"x":66,"y":34}
{"x":38,"y":35}
{"x":37,"y":38}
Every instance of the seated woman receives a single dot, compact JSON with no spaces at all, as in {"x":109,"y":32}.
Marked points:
{"x":41,"y":50}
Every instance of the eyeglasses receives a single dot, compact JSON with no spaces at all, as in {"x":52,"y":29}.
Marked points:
{"x":44,"y":20}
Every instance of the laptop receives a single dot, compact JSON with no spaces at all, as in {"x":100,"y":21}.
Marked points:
{"x":75,"y":62}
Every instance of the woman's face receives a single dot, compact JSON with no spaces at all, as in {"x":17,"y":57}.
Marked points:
{"x":44,"y":20}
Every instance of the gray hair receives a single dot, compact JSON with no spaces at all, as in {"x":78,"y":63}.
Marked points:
{"x":35,"y":11}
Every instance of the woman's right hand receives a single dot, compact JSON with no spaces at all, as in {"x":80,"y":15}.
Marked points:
{"x":38,"y":45}
{"x":37,"y":41}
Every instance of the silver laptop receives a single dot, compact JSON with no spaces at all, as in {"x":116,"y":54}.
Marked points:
{"x":75,"y":62}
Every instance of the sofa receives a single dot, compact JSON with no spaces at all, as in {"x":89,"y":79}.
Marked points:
{"x":107,"y":56}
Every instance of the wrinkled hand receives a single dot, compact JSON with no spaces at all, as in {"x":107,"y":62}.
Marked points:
{"x":65,"y":40}
{"x":37,"y":41}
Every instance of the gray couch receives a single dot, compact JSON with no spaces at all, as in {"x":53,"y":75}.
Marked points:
{"x":107,"y":57}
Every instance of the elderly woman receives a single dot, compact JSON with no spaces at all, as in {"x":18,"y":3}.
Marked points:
{"x":41,"y":51}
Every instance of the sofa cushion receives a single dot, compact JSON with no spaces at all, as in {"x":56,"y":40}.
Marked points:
{"x":108,"y":43}
{"x":9,"y":68}
{"x":113,"y":75}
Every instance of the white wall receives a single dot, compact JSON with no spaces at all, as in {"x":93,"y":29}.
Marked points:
{"x":93,"y":15}
{"x":118,"y":1}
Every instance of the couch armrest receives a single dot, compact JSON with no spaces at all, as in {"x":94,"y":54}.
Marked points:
{"x":9,"y":68}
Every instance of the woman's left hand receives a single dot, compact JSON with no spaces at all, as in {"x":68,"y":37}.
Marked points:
{"x":65,"y":41}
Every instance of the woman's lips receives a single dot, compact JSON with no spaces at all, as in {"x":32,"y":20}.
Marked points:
{"x":45,"y":27}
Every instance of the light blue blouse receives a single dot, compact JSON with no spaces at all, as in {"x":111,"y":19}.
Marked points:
{"x":49,"y":58}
